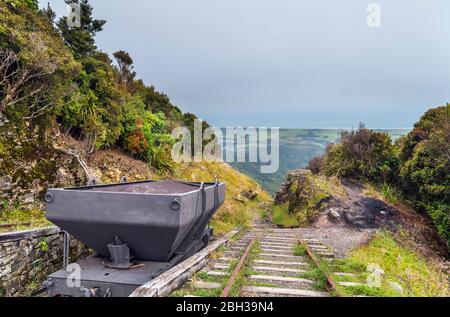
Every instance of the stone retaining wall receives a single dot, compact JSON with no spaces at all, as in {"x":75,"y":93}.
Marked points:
{"x":27,"y":257}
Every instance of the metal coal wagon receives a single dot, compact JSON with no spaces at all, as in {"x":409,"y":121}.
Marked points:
{"x":138,"y":230}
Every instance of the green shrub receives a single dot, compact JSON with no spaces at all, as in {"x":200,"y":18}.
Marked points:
{"x":283,"y":218}
{"x":422,"y":159}
{"x":425,"y":159}
{"x":299,"y":249}
{"x":39,"y":68}
{"x":32,"y":4}
{"x":440,"y":214}
{"x":146,"y":135}
{"x":95,"y":107}
{"x":315,"y":165}
{"x":160,"y":158}
{"x":362,"y":153}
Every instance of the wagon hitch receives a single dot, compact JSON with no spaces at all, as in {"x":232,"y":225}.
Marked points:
{"x":120,"y":255}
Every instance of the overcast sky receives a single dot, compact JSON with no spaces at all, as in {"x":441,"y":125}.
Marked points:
{"x":286,"y":63}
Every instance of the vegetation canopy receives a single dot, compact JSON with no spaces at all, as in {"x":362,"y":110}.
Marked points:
{"x":421,"y":159}
{"x":53,"y":73}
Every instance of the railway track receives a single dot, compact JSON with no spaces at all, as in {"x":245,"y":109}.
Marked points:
{"x":264,"y":262}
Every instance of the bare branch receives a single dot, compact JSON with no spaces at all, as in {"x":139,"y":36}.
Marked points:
{"x":28,"y":95}
{"x":40,"y":111}
{"x":15,"y":79}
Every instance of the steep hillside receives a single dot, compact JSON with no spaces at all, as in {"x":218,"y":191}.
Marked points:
{"x":379,"y":203}
{"x":244,"y":195}
{"x":363,"y":225}
{"x":414,"y":168}
{"x":55,"y":81}
{"x":70,"y":114}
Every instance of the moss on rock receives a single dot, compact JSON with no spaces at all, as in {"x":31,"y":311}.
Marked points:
{"x":301,"y":196}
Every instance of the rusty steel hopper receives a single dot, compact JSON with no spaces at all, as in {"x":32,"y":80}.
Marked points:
{"x":157,"y":221}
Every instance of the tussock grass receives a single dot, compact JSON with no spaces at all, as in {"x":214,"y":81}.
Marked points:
{"x":283,"y":218}
{"x":299,"y":249}
{"x":329,"y":186}
{"x":391,"y":194}
{"x":236,"y":211}
{"x":21,"y":217}
{"x":317,"y":275}
{"x":384,"y":192}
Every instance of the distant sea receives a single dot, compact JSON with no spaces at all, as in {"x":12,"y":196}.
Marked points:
{"x":297,"y":148}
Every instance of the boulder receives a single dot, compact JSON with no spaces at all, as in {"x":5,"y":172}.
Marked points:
{"x":6,"y":182}
{"x":249,"y":194}
{"x":334,"y":215}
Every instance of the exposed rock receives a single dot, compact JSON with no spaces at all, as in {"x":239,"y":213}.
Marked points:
{"x":396,"y":287}
{"x":28,"y":199}
{"x":63,"y":176}
{"x":303,"y":194}
{"x":6,"y":182}
{"x":334,"y":215}
{"x":296,"y":182}
{"x":285,"y":192}
{"x":249,"y":194}
{"x":31,"y":166}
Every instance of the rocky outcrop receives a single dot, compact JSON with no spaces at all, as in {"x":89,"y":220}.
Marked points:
{"x":302,"y":194}
{"x":301,"y":189}
{"x":250,"y":194}
{"x":284,"y":194}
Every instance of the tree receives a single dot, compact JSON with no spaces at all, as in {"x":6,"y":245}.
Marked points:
{"x":125,"y":63}
{"x":49,"y":14}
{"x":425,"y":158}
{"x":363,"y":153}
{"x":95,"y":108}
{"x":33,"y":60}
{"x":81,"y":40}
{"x":22,"y":83}
{"x":32,"y":4}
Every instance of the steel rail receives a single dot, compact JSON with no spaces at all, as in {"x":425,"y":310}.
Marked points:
{"x":317,"y":263}
{"x":237,"y":269}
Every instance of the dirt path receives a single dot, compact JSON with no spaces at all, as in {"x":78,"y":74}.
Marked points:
{"x":351,"y":221}
{"x":354,"y":220}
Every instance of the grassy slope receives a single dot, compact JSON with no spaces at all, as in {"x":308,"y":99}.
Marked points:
{"x":14,"y":218}
{"x":401,"y":265}
{"x":397,"y":257}
{"x":236,"y":211}
{"x":322,"y":188}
